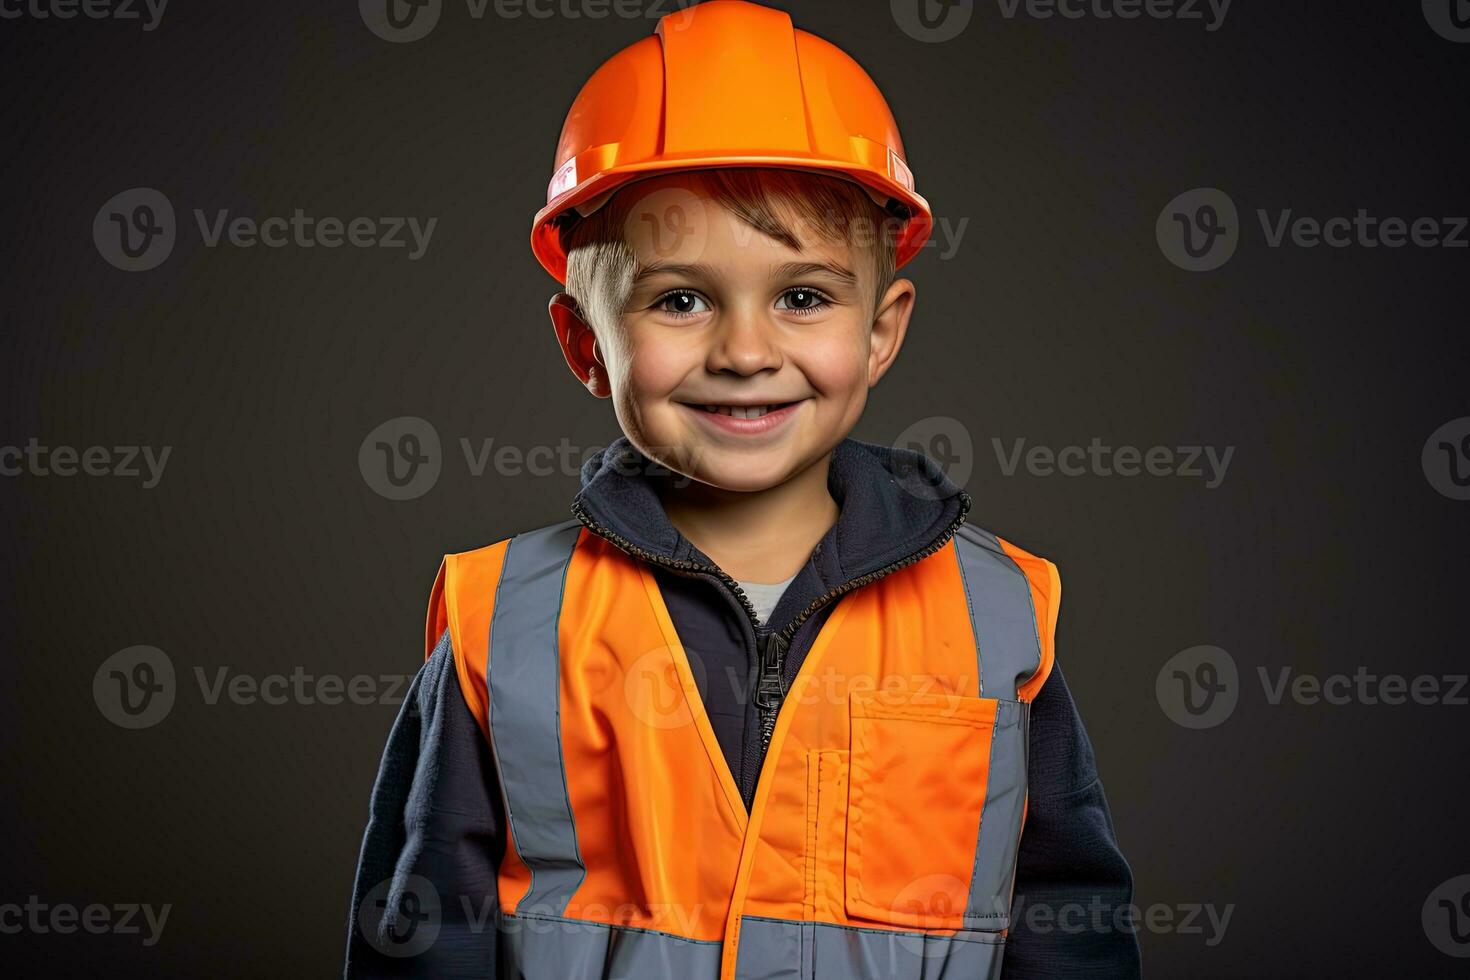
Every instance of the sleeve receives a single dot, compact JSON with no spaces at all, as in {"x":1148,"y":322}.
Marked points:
{"x":424,"y":903}
{"x":1072,"y":913}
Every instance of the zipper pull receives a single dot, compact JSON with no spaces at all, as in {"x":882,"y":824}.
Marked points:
{"x":769,"y":691}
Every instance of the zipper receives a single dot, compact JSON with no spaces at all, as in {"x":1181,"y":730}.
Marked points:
{"x":770,"y":691}
{"x":677,"y":564}
{"x":780,"y":642}
{"x":771,"y":651}
{"x":772,"y":647}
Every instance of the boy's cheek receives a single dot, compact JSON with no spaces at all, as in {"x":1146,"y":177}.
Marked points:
{"x":647,"y":379}
{"x":834,"y":368}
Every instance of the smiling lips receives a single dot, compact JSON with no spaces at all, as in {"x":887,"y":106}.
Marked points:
{"x":745,"y":419}
{"x":745,"y":411}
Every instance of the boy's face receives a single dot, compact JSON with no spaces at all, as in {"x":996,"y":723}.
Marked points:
{"x":723,"y":315}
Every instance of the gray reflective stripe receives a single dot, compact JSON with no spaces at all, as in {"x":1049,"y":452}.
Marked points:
{"x":545,"y":947}
{"x":778,"y":949}
{"x":1000,"y":824}
{"x":1008,"y":653}
{"x":522,"y":672}
{"x":774,"y":949}
{"x":1007,"y":643}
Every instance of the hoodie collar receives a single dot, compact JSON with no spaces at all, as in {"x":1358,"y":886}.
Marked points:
{"x":892,"y":504}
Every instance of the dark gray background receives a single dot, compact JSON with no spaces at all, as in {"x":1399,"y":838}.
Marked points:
{"x":264,"y":548}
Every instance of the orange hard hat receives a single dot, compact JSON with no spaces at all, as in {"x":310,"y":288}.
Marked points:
{"x":727,"y":83}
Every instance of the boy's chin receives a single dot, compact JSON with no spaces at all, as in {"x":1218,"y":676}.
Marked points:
{"x":741,"y":470}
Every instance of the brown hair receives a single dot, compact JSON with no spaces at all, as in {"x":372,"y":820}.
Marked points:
{"x":601,"y":266}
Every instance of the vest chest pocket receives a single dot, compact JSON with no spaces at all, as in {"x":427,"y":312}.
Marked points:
{"x":921,"y":774}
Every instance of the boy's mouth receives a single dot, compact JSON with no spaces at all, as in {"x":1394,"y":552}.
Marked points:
{"x":749,"y":420}
{"x":745,"y":411}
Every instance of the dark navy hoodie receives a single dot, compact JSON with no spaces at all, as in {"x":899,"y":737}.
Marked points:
{"x":436,"y":810}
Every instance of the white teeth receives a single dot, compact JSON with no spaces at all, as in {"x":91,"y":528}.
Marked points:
{"x":736,"y":411}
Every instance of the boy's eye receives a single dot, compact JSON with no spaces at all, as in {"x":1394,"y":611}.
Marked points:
{"x":682,"y":303}
{"x":800,"y":299}
{"x":804,"y":300}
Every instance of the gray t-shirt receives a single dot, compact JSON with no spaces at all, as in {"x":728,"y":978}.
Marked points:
{"x":764,"y":596}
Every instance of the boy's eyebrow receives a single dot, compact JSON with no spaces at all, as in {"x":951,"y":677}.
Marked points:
{"x":788,"y":270}
{"x":694,"y":270}
{"x":795,"y":270}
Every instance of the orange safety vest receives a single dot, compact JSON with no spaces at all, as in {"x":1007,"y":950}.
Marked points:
{"x":883,"y":837}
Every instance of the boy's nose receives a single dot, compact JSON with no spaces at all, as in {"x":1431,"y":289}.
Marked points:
{"x":744,"y":343}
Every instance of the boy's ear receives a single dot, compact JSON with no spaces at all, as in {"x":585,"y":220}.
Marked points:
{"x":890,"y":326}
{"x":578,"y":344}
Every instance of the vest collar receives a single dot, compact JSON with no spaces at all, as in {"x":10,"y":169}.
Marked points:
{"x":892,"y":504}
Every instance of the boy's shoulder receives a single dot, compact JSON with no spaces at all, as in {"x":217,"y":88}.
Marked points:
{"x":477,"y":572}
{"x":988,"y":561}
{"x":1040,"y":572}
{"x":557,"y":535}
{"x":462,"y":600}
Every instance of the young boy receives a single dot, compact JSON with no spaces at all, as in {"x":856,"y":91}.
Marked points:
{"x":766,"y":706}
